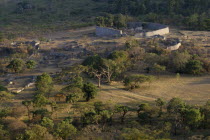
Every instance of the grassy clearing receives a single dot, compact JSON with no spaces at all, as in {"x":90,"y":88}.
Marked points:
{"x":194,"y":90}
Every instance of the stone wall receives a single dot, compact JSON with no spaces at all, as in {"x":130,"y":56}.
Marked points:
{"x":157,"y":29}
{"x":162,"y":31}
{"x":104,"y":31}
{"x":174,"y":47}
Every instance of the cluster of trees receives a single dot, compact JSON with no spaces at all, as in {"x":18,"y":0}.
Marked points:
{"x":109,"y":20}
{"x":189,"y":60}
{"x":180,"y":117}
{"x":5,"y":95}
{"x":18,"y":65}
{"x":40,"y":111}
{"x":152,"y":59}
{"x":192,"y":14}
{"x":165,"y":119}
{"x":109,"y":68}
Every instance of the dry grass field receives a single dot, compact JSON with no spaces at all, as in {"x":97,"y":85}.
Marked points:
{"x":194,"y":90}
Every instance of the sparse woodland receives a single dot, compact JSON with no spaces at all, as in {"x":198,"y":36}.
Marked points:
{"x":61,"y":93}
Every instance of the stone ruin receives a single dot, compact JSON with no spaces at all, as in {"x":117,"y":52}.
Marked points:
{"x":136,"y":29}
{"x":172,"y":44}
{"x":140,"y":30}
{"x":34,"y":44}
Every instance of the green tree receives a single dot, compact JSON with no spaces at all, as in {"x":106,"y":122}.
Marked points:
{"x":123,"y":110}
{"x":30,"y":64}
{"x":158,"y":68}
{"x":106,"y":116}
{"x":194,"y":67}
{"x":108,"y":20}
{"x":44,"y":84}
{"x":192,"y":117}
{"x":179,"y":61}
{"x":47,"y":123}
{"x":76,"y":82}
{"x":160,"y":103}
{"x":28,"y":104}
{"x":40,"y":100}
{"x":16,"y":65}
{"x":90,"y":117}
{"x":39,"y":114}
{"x":4,"y":135}
{"x":4,"y":94}
{"x":74,"y":95}
{"x":98,"y":107}
{"x":119,"y":56}
{"x":205,"y":110}
{"x":90,"y":91}
{"x":37,"y":132}
{"x":110,"y":68}
{"x":171,"y":6}
{"x":134,"y":81}
{"x":65,"y":130}
{"x":135,"y":134}
{"x":120,"y":21}
{"x":100,"y":21}
{"x":4,"y":112}
{"x":145,"y":113}
{"x":175,"y":105}
{"x":95,"y":62}
{"x":119,"y":64}
{"x":174,"y":108}
{"x":192,"y":21}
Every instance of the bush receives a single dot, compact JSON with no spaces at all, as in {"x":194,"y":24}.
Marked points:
{"x":134,"y":81}
{"x":194,"y":67}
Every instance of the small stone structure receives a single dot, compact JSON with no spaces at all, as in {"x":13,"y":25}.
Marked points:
{"x":174,"y":47}
{"x":34,"y":44}
{"x":137,"y":29}
{"x":104,"y":31}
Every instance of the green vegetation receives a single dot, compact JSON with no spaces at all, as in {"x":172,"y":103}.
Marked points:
{"x":134,"y":81}
{"x":101,"y":88}
{"x":56,"y":15}
{"x":192,"y":14}
{"x":44,"y":84}
{"x":118,"y":21}
{"x":30,"y":64}
{"x":90,"y":91}
{"x":16,"y":65}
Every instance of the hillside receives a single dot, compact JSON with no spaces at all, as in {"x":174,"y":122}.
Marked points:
{"x":48,"y":14}
{"x":104,"y":70}
{"x":45,"y":15}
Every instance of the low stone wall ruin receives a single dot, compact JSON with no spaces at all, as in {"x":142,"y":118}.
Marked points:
{"x":104,"y":31}
{"x":157,"y":29}
{"x":174,"y":47}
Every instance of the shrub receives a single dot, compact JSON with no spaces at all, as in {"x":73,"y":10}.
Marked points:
{"x":134,"y":81}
